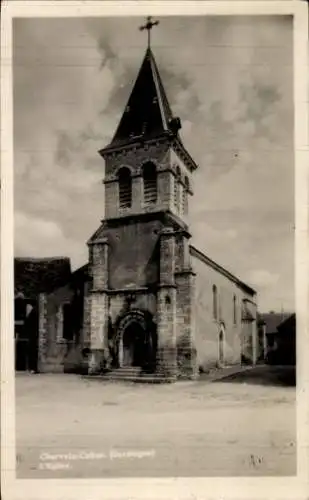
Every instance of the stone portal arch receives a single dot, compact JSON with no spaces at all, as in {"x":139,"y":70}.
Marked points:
{"x":136,"y":340}
{"x":136,"y":315}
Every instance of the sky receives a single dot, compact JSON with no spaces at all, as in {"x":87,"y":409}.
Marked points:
{"x":229,"y":79}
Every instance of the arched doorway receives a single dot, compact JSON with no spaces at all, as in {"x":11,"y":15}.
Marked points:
{"x":137,"y":341}
{"x":221,"y":343}
{"x":133,"y":345}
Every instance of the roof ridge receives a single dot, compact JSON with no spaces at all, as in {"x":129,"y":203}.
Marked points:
{"x":202,"y":256}
{"x":164,"y":105}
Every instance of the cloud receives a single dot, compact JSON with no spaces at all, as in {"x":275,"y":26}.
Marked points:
{"x":230,"y":81}
{"x":36,"y":237}
{"x":31,"y":232}
{"x":231,"y":233}
{"x":263,"y":278}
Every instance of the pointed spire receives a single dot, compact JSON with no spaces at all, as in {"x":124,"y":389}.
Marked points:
{"x":147,"y":113}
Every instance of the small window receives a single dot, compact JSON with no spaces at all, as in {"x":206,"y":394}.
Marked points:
{"x":221,"y":343}
{"x":150,"y":183}
{"x":64,"y":323}
{"x":68,"y":333}
{"x":215,"y":302}
{"x":125,"y":188}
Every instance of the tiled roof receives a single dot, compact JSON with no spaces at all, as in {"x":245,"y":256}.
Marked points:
{"x":81,"y":274}
{"x":34,"y":276}
{"x":288,"y":325}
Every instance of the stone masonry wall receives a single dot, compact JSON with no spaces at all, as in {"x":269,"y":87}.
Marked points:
{"x":166,"y":320}
{"x":166,"y":307}
{"x":134,"y":158}
{"x":58,"y":352}
{"x":133,"y":254}
{"x":185,"y":324}
{"x":146,"y":301}
{"x":98,"y":257}
{"x":206,"y":326}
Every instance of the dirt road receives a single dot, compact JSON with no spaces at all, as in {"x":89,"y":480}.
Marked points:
{"x":73,"y":427}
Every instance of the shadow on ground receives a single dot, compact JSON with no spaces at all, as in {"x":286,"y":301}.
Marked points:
{"x":283,"y":376}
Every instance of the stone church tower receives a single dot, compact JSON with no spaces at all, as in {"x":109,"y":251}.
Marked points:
{"x":148,"y":303}
{"x":141,"y":283}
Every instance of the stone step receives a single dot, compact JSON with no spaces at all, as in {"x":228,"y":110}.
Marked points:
{"x":131,"y":374}
{"x":151,"y":378}
{"x":134,"y":374}
{"x":125,"y":373}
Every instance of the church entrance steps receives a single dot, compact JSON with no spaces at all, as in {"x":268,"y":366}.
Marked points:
{"x":131,"y":374}
{"x":134,"y":374}
{"x":125,"y":373}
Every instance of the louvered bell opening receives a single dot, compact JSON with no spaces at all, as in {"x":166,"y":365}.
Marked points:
{"x":125,"y":188}
{"x":150,"y":184}
{"x":150,"y":191}
{"x":125,"y":195}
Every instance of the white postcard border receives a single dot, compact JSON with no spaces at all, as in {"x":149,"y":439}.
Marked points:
{"x":285,"y":487}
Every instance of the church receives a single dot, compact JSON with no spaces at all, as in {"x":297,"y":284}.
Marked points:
{"x":148,"y":301}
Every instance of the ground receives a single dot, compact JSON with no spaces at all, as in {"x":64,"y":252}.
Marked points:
{"x":242,"y":426}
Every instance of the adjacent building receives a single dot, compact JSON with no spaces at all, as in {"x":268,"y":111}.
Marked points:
{"x":279,"y":333}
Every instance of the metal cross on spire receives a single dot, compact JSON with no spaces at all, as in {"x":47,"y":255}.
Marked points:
{"x":148,"y":26}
